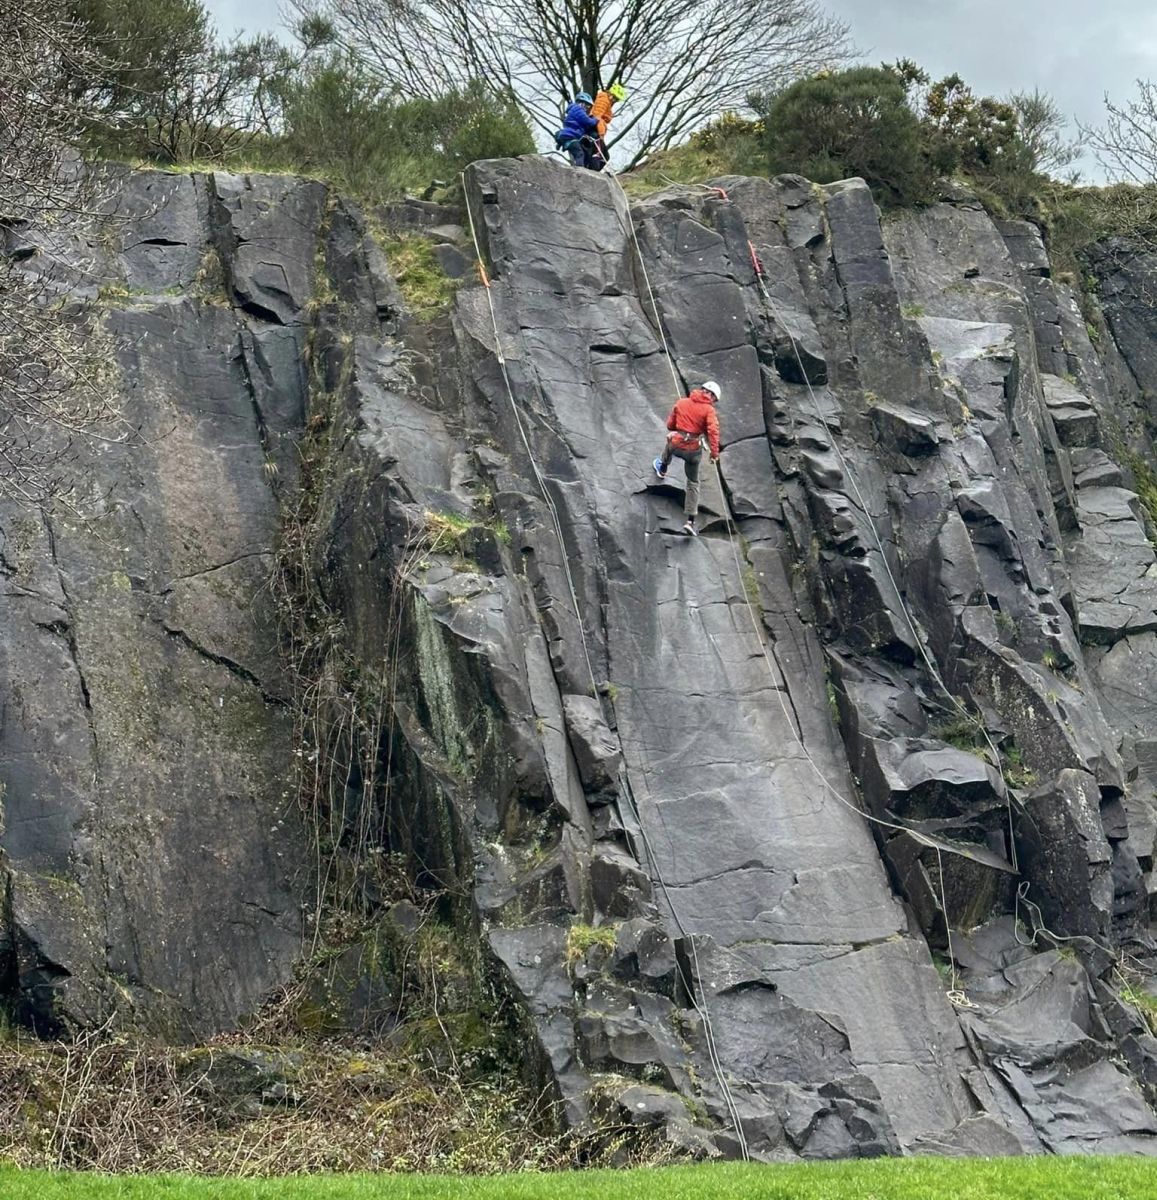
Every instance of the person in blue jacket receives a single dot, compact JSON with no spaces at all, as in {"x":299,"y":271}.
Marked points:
{"x":579,"y":128}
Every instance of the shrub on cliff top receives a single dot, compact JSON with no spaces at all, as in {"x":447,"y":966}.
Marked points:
{"x":855,"y":122}
{"x":900,"y":131}
{"x":343,"y":124}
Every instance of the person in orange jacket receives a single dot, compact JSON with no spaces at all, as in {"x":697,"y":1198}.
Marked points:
{"x":690,"y":421}
{"x":603,"y":111}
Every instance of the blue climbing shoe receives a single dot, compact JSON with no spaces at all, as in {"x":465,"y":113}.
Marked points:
{"x":689,"y":527}
{"x":658,"y":465}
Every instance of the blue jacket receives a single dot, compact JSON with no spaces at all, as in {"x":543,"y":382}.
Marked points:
{"x":576,"y":124}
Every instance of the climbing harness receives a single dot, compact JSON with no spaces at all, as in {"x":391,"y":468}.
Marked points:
{"x":694,"y":987}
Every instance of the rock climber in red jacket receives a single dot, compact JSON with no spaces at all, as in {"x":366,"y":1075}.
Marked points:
{"x":692,"y":418}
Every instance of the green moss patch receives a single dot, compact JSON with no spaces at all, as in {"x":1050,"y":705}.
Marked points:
{"x":1144,"y":1002}
{"x":427,"y":289}
{"x":963,"y":734}
{"x":581,"y":938}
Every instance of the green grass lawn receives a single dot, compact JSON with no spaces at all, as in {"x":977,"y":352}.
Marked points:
{"x":882,"y":1179}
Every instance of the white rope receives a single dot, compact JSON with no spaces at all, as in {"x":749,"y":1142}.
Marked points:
{"x":768,"y":651}
{"x":933,"y":670}
{"x":1038,"y":925}
{"x":555,"y":520}
{"x":694,"y":988}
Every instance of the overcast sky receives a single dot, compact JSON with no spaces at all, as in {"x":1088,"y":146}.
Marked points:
{"x":1077,"y":50}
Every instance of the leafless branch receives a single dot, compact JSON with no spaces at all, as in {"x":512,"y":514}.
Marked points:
{"x":1126,"y":145}
{"x":682,"y":61}
{"x":1041,"y":126}
{"x":50,"y":392}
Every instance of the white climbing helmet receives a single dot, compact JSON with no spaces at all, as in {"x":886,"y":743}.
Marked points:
{"x":712,"y":387}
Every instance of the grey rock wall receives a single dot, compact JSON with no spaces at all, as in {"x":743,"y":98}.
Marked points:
{"x":152,"y":854}
{"x":634,"y":766}
{"x":917,"y":398}
{"x":921,"y":511}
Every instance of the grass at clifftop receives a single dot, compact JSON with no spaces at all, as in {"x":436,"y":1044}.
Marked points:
{"x":881,"y":1179}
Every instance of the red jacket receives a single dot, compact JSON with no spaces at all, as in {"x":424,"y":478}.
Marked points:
{"x":696,"y":414}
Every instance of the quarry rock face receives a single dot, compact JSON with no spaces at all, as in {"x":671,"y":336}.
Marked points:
{"x":820,"y":835}
{"x":152,"y":851}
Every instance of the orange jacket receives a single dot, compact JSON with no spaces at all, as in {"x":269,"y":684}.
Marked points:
{"x":603,"y":111}
{"x":695,"y":414}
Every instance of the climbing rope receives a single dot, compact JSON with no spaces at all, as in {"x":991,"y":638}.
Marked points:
{"x":554,"y":517}
{"x":694,"y":987}
{"x":768,"y":652}
{"x":1038,"y":925}
{"x":933,"y":670}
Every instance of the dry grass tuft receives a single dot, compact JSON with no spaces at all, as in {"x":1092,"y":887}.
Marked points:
{"x":117,"y":1106}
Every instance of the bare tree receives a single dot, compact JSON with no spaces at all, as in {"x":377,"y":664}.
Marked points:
{"x":1041,"y":128}
{"x":1126,"y":145}
{"x":218,"y":103}
{"x":171,"y":90}
{"x":49,"y":391}
{"x":682,"y":61}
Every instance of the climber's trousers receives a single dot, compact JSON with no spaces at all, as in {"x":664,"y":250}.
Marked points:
{"x":691,"y":460}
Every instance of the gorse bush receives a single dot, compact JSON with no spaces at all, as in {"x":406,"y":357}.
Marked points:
{"x":480,"y":126}
{"x":900,"y":132}
{"x":855,"y":122}
{"x":339,"y":121}
{"x":727,"y":132}
{"x":960,"y":131}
